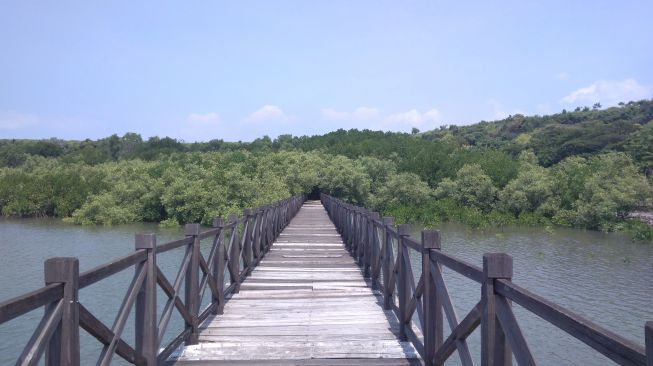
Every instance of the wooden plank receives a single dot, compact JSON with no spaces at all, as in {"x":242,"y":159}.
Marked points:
{"x":305,"y":301}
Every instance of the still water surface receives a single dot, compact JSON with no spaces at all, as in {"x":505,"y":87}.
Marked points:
{"x":604,"y":277}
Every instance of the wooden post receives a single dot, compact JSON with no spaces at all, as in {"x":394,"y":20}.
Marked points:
{"x":648,"y":336}
{"x":234,"y":254}
{"x":146,"y":317}
{"x":248,"y":262}
{"x":495,"y":350}
{"x":370,"y":252}
{"x":387,"y":264}
{"x":218,"y":267}
{"x":375,"y":251}
{"x":192,"y":282}
{"x":402,"y":281}
{"x":432,"y":327}
{"x":63,"y":348}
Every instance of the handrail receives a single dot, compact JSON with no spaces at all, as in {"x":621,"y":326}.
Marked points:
{"x":246,"y":238}
{"x":383,"y":253}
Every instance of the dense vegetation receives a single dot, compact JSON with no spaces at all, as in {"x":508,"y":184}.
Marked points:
{"x":587,"y":168}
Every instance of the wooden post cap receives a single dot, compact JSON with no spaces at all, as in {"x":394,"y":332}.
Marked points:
{"x":192,"y":229}
{"x":497,"y":265}
{"x":232,"y":218}
{"x":374,"y":215}
{"x":388,"y":220}
{"x":246,"y":212}
{"x":61,"y":269}
{"x":145,"y":241}
{"x":404,"y":230}
{"x":218,"y":222}
{"x":431,"y":239}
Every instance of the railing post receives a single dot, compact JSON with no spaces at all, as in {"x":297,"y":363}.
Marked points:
{"x":432,"y":327}
{"x":63,"y":348}
{"x":234,"y":255}
{"x":495,"y":350}
{"x":369,"y":255}
{"x":387,"y":264}
{"x":648,"y":336}
{"x":402,"y":280}
{"x":218,"y":267}
{"x":145,"y":316}
{"x":192,"y":282}
{"x":246,"y":241}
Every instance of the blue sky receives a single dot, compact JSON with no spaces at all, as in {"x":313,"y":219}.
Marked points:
{"x":199,"y":70}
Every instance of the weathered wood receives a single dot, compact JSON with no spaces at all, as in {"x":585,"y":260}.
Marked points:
{"x":105,"y":270}
{"x":402,"y":280}
{"x":298,"y":306}
{"x":32,"y":300}
{"x":611,"y":345}
{"x":102,"y":333}
{"x":172,"y":295}
{"x":387,"y":262}
{"x":192,"y":282}
{"x":36,"y":345}
{"x":458,"y":334}
{"x":432,"y":322}
{"x":648,"y":336}
{"x":450,"y":311}
{"x":173,"y":245}
{"x":494,"y":349}
{"x":118,"y":325}
{"x":145,"y":316}
{"x":466,"y":269}
{"x":64,"y":342}
{"x":219,"y":265}
{"x":513,"y":333}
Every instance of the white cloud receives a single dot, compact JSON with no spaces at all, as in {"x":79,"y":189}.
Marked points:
{"x":609,"y":92}
{"x":267,"y":112}
{"x":16,"y":121}
{"x":413,"y":118}
{"x":360,"y":113}
{"x":562,"y":76}
{"x":209,"y":118}
{"x":201,"y":127}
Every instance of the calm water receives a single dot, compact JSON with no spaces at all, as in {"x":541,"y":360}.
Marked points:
{"x":605,"y":277}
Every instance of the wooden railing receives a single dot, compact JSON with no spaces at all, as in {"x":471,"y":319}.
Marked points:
{"x":383,"y":253}
{"x":243,"y":239}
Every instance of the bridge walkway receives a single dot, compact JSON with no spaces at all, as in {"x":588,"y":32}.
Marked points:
{"x":306,"y":303}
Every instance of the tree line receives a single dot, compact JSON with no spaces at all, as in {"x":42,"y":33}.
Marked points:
{"x":520,"y":170}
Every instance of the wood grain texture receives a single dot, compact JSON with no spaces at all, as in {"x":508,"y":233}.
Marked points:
{"x":306,"y":303}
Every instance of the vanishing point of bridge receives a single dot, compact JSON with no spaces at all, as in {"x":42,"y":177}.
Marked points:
{"x":299,"y":283}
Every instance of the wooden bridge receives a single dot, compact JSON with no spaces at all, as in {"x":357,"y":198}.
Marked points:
{"x":294,"y":284}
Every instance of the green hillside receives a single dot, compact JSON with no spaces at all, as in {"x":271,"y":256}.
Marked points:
{"x":587,"y":168}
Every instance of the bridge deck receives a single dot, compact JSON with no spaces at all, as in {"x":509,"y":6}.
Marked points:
{"x":305,"y":304}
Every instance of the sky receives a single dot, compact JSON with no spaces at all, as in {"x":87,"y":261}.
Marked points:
{"x":202,"y":70}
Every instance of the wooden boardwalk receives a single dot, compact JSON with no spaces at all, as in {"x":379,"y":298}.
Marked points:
{"x":306,"y":303}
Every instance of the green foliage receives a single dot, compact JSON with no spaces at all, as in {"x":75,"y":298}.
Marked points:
{"x":401,"y":189}
{"x":530,"y":190}
{"x":343,"y":178}
{"x":471,"y":188}
{"x":581,"y":169}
